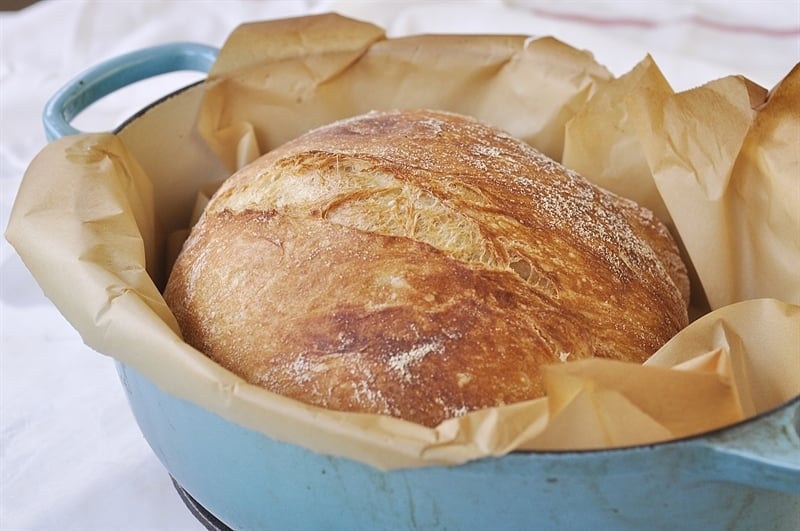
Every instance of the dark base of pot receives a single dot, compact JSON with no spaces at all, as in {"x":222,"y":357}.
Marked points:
{"x":209,"y":521}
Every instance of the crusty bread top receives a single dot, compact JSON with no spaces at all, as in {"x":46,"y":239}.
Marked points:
{"x":420,"y":264}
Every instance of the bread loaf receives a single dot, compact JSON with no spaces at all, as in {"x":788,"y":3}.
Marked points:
{"x":420,"y":264}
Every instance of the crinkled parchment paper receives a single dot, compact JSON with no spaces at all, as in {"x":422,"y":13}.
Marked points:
{"x":719,"y":164}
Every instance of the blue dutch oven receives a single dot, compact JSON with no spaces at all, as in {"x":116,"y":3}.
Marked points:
{"x":746,"y":476}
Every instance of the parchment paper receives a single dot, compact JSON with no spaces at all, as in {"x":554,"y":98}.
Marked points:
{"x":718,"y":163}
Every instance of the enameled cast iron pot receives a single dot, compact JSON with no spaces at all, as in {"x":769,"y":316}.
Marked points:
{"x":746,"y":476}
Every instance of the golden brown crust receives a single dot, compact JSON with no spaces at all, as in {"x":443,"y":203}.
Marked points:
{"x":420,"y":264}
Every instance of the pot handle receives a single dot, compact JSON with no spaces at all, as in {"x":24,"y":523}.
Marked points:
{"x":763,"y":453}
{"x":116,"y":73}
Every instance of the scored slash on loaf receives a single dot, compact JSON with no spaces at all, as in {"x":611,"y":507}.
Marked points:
{"x":420,"y":264}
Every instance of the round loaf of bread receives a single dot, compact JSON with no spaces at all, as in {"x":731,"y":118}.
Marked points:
{"x":420,"y":264}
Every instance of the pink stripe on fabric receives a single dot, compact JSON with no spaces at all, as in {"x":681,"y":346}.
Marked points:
{"x":746,"y":28}
{"x":653,"y":24}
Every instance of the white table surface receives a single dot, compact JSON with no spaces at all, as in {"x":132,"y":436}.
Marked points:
{"x":71,"y":455}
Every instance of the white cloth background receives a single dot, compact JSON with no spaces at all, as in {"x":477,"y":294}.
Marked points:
{"x":72,"y":455}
